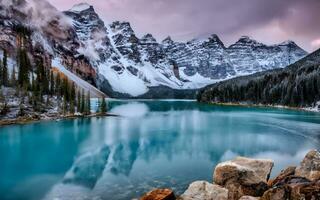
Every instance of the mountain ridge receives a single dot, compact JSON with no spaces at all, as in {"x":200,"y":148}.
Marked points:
{"x":117,"y":61}
{"x":297,"y":85}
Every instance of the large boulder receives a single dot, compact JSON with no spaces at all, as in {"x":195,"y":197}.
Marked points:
{"x":243,"y":176}
{"x":310,"y":166}
{"x":159,"y":194}
{"x":202,"y":190}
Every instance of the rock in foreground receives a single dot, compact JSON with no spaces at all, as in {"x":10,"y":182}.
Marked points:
{"x":205,"y":191}
{"x":243,"y":176}
{"x":247,"y":179}
{"x":310,"y":166}
{"x":159,"y":194}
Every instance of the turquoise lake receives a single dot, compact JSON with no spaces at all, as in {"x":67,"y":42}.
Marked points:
{"x":151,"y":144}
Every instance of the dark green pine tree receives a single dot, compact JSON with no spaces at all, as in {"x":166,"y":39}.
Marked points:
{"x":1,"y":69}
{"x":99,"y":106}
{"x":24,"y":63}
{"x":5,"y":78}
{"x":65,"y":89}
{"x":52,"y":84}
{"x":58,"y":85}
{"x":88,"y":104}
{"x":103,"y":106}
{"x":83,"y":102}
{"x":65,"y":105}
{"x":13,"y":77}
{"x":79,"y":102}
{"x":72,"y":98}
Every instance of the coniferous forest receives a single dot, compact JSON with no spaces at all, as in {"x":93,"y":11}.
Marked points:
{"x":38,"y":88}
{"x":297,"y":85}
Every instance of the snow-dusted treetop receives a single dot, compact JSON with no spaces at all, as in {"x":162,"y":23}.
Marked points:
{"x":80,"y":7}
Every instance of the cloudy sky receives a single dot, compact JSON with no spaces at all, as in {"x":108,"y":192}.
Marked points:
{"x":268,"y":21}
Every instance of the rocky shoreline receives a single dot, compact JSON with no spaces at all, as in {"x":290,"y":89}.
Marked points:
{"x":307,"y":109}
{"x":249,"y":179}
{"x":33,"y":119}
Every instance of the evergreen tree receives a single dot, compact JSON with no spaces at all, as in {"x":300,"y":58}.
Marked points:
{"x":99,"y":106}
{"x":83,"y":102}
{"x":65,"y":88}
{"x":52,"y":85}
{"x":73,"y":93}
{"x":65,"y":105}
{"x":88,"y":104}
{"x":103,"y":106}
{"x":72,"y":107}
{"x":72,"y":98}
{"x":13,"y":77}
{"x":79,"y":101}
{"x":5,"y":79}
{"x":24,"y":64}
{"x":1,"y":69}
{"x":58,"y":85}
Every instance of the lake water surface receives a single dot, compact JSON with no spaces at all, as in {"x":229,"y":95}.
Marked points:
{"x":152,"y":144}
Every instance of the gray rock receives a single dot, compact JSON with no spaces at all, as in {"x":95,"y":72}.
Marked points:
{"x":310,"y":166}
{"x":202,"y":190}
{"x":243,"y":176}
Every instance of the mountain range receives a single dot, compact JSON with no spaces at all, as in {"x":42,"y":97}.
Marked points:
{"x":113,"y":58}
{"x":297,"y":85}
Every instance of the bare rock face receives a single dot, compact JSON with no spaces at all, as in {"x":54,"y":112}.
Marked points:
{"x":159,"y":194}
{"x":205,"y":191}
{"x":243,"y":176}
{"x":310,"y":166}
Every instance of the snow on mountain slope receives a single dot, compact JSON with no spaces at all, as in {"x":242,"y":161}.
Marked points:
{"x":94,"y":92}
{"x":112,"y":57}
{"x":132,"y":65}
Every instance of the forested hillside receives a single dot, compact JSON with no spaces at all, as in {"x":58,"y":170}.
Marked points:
{"x":297,"y":85}
{"x":31,"y":89}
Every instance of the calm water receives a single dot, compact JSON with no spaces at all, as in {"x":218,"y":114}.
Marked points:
{"x":152,"y":144}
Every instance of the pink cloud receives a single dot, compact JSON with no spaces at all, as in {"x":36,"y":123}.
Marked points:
{"x":269,"y":21}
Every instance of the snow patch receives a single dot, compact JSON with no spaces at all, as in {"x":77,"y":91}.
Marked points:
{"x":94,"y":92}
{"x":315,"y":108}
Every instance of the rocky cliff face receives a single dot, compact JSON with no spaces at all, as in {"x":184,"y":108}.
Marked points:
{"x":120,"y":63}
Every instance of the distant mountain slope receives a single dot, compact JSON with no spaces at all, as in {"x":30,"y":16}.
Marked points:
{"x":296,"y":85}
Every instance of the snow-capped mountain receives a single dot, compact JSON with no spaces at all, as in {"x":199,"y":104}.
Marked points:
{"x":112,"y":57}
{"x":133,"y":65}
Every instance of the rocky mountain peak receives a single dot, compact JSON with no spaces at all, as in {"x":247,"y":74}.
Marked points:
{"x":214,"y":42}
{"x":148,"y":38}
{"x":81,"y":7}
{"x":247,"y":39}
{"x":123,"y":27}
{"x":167,"y":41}
{"x":290,"y":44}
{"x":246,"y":42}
